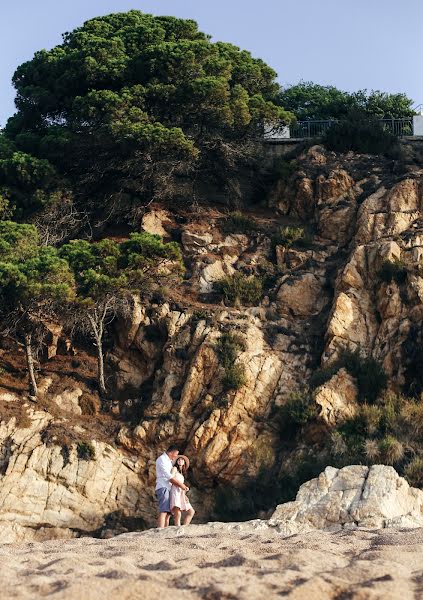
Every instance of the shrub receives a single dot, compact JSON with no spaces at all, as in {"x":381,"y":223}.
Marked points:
{"x":412,"y":359}
{"x":291,"y":236}
{"x":371,"y":450}
{"x":360,"y":132}
{"x":369,"y":374}
{"x":234,"y":377}
{"x":414,"y":472}
{"x":299,"y":410}
{"x":412,"y":414}
{"x":85,"y":451}
{"x":283,"y":169}
{"x":391,"y":450}
{"x":338,"y":447}
{"x":229,"y":347}
{"x":236,"y":222}
{"x":239,"y":288}
{"x":200,"y":315}
{"x":393,"y":270}
{"x":371,"y":416}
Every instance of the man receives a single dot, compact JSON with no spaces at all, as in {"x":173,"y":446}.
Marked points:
{"x":164,"y":483}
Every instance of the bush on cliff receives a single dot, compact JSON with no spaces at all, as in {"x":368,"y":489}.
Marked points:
{"x":292,"y":236}
{"x":393,"y":270}
{"x":239,"y":289}
{"x":369,"y":374}
{"x":229,"y":347}
{"x":362,"y":133}
{"x":237,"y":222}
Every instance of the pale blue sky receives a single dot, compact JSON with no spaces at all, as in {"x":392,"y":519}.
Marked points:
{"x":353,"y":44}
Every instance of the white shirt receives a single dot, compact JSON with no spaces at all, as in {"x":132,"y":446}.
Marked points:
{"x":163,"y":471}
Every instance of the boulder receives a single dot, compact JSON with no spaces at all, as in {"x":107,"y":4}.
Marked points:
{"x":354,"y":496}
{"x":302,"y":296}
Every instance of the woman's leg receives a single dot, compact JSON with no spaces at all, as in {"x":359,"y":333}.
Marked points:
{"x":176,"y":515}
{"x":188,"y":516}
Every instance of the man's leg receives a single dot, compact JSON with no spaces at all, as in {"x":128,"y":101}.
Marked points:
{"x":168,"y":515}
{"x":164,"y":507}
{"x":161,"y":520}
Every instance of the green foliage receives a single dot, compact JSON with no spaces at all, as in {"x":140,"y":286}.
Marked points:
{"x":237,"y":222}
{"x":391,"y":450}
{"x":31,"y":275}
{"x":283,"y":169}
{"x":412,"y":359}
{"x":292,"y":236}
{"x":108,"y":267}
{"x":414,"y":472}
{"x":129,"y":101}
{"x":370,"y":376}
{"x":239,"y":288}
{"x":27,"y":183}
{"x":382,"y":433}
{"x":311,"y":101}
{"x":360,"y":132}
{"x":393,"y":270}
{"x":300,"y":409}
{"x":229,"y":346}
{"x":85,"y":451}
{"x":234,"y":377}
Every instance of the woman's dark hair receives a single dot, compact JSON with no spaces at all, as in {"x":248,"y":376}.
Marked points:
{"x":172,"y":448}
{"x":181,"y":468}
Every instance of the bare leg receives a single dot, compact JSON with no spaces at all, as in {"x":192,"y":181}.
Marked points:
{"x":188,"y":516}
{"x":161,"y":520}
{"x":177,"y":516}
{"x":168,"y":515}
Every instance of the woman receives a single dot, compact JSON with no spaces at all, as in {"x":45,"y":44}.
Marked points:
{"x":178,"y":501}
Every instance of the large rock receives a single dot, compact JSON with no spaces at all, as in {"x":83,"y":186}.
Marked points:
{"x":355,"y":496}
{"x":337,"y":398}
{"x":301,"y":296}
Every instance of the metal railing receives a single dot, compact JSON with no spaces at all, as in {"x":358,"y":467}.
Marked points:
{"x":311,"y":129}
{"x":399,"y":127}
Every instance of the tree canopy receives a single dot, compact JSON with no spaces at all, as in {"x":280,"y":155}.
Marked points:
{"x":311,"y":101}
{"x":127,"y":102}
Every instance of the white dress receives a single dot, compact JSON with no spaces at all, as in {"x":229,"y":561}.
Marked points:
{"x":178,"y":497}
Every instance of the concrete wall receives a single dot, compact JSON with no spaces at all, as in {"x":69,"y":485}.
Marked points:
{"x":418,"y":125}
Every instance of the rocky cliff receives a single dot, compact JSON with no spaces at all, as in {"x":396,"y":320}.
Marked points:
{"x":351,"y":280}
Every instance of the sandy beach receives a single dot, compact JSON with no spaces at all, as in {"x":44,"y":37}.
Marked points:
{"x":218,"y":562}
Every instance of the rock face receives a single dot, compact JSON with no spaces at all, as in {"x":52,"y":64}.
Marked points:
{"x":163,"y":362}
{"x":48,"y":491}
{"x":355,"y":496}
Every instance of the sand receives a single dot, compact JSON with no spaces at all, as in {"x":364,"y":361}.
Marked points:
{"x":216,"y":563}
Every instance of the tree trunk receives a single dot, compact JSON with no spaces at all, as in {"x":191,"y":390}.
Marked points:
{"x":100,"y":364}
{"x":33,"y":389}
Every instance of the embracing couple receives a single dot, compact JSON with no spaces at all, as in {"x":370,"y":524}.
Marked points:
{"x":171,"y":468}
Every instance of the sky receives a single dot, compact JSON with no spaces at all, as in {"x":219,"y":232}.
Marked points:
{"x":352,"y":44}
